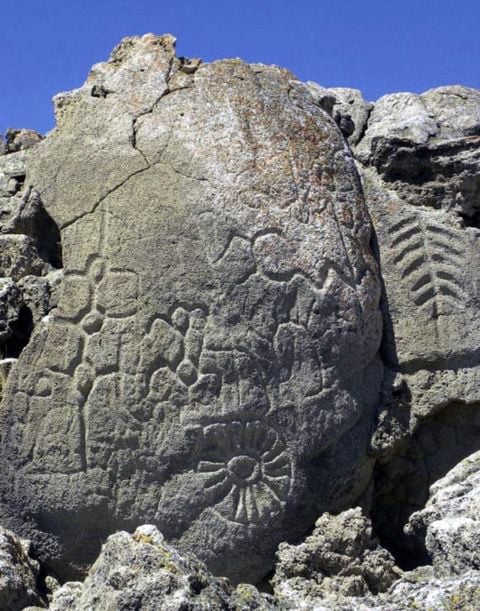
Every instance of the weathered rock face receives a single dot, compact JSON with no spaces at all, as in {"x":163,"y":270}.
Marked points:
{"x":18,"y":574}
{"x":212,"y":363}
{"x":29,"y":247}
{"x":419,"y":160}
{"x":449,"y":523}
{"x":341,"y":558}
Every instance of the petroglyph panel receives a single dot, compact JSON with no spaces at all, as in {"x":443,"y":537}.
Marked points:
{"x":218,"y":328}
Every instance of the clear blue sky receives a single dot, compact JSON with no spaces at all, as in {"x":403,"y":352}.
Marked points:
{"x":378,"y":46}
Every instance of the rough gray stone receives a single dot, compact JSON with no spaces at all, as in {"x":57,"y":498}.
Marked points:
{"x":29,"y":250}
{"x":450,"y":523}
{"x":340,"y":559}
{"x":21,"y":139}
{"x":426,"y":147}
{"x":41,"y":293}
{"x":460,"y":593}
{"x":346,"y":106}
{"x":19,"y":257}
{"x":18,"y":574}
{"x":212,"y":364}
{"x":10,"y":305}
{"x":419,"y":592}
{"x":12,"y":178}
{"x":419,"y":160}
{"x":142,"y":571}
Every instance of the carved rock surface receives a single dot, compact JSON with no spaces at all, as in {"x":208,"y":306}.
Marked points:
{"x":419,"y":160}
{"x":212,"y":366}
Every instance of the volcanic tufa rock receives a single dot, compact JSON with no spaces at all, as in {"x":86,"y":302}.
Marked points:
{"x":339,"y":560}
{"x":449,"y":523}
{"x":141,"y":571}
{"x":18,"y":573}
{"x":419,"y":160}
{"x":212,"y":365}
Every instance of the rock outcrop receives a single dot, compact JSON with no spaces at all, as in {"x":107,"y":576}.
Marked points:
{"x":30,"y":253}
{"x":450,"y":522}
{"x":339,"y":560}
{"x":212,"y":365}
{"x":340,"y":567}
{"x":142,"y":571}
{"x":19,"y":574}
{"x":240,"y":302}
{"x":419,"y":161}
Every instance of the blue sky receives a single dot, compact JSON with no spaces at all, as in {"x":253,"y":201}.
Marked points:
{"x":378,"y":46}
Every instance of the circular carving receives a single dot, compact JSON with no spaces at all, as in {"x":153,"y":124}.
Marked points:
{"x":244,"y":470}
{"x":92,"y":322}
{"x":248,"y":472}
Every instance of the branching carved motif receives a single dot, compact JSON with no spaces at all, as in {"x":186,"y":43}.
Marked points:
{"x":431,"y":260}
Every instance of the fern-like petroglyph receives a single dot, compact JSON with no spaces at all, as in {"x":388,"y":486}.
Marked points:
{"x":430,"y":256}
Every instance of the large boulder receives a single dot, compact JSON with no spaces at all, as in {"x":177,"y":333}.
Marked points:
{"x":212,"y":366}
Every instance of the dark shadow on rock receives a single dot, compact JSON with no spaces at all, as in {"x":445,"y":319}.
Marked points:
{"x":33,"y":220}
{"x":22,"y":330}
{"x":407,"y":464}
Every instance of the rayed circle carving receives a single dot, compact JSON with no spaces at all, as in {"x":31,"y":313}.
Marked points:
{"x":248,"y":471}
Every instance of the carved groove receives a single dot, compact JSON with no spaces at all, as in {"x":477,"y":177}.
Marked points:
{"x":252,"y":478}
{"x":430,"y":261}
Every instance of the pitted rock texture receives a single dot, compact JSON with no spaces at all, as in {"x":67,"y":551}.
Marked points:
{"x":19,"y":574}
{"x":419,"y":160}
{"x":449,"y":523}
{"x":142,"y":571}
{"x":212,"y":366}
{"x":341,"y":558}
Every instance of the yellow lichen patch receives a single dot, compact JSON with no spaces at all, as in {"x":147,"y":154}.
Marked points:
{"x":142,"y":538}
{"x":244,"y":592}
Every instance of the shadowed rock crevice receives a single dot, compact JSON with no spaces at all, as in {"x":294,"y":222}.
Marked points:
{"x":21,"y":332}
{"x":401,"y":485}
{"x":33,"y":220}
